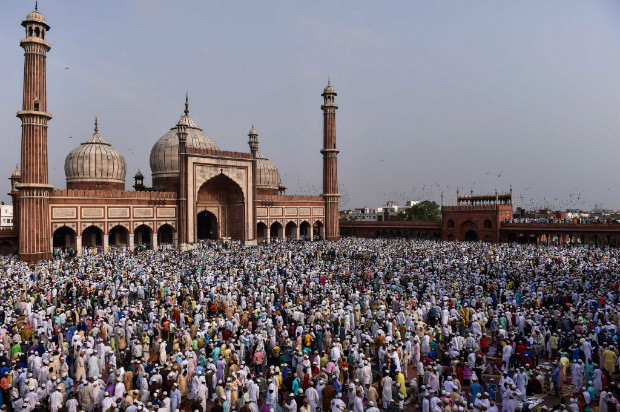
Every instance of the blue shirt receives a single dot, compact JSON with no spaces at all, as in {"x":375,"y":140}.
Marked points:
{"x":475,"y":389}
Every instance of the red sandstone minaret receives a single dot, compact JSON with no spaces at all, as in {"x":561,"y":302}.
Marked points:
{"x":182,"y":126}
{"x":35,"y":238}
{"x":330,"y":164}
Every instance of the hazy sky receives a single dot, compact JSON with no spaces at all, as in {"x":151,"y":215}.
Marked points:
{"x":432,"y":94}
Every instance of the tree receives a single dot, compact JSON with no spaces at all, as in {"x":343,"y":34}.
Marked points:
{"x":425,"y":211}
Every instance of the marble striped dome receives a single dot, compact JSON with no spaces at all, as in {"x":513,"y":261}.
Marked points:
{"x":95,"y":164}
{"x":164,"y":159}
{"x":268,"y":175}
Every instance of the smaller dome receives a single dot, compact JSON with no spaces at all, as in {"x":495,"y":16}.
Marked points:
{"x":267,"y":173}
{"x":95,"y":164}
{"x":35,"y":17}
{"x":139,"y":175}
{"x":329,"y":89}
{"x":16,"y":173}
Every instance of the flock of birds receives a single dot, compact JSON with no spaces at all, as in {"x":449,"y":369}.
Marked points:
{"x":435,"y":190}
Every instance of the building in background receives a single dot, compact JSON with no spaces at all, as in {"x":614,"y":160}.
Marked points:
{"x":391,"y":209}
{"x":361,"y":214}
{"x":6,"y":216}
{"x":199,"y":191}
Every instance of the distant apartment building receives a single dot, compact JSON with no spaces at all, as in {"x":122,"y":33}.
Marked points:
{"x":391,"y":209}
{"x":361,"y":214}
{"x":6,"y":216}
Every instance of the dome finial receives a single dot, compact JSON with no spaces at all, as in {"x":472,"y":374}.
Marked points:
{"x":36,"y":6}
{"x":96,"y":125}
{"x":186,"y":103}
{"x":329,"y":82}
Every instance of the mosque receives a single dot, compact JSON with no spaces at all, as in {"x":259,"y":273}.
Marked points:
{"x":198,"y":192}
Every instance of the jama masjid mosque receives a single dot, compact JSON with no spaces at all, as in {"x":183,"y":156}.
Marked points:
{"x":199,"y":190}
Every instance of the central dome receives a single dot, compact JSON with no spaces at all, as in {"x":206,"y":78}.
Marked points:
{"x":164,"y":158}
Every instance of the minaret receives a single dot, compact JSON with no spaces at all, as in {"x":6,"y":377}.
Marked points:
{"x":330,"y":164}
{"x":35,"y":240}
{"x":253,"y":143}
{"x":183,"y":229}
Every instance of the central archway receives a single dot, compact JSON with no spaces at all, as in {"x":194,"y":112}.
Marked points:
{"x":469,"y":231}
{"x":206,"y":227}
{"x":471,"y":236}
{"x":223,"y":199}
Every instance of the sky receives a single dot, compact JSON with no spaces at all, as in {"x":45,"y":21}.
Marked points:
{"x":433,"y":95}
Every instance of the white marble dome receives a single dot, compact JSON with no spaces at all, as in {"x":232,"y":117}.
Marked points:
{"x":164,"y":158}
{"x":95,"y":161}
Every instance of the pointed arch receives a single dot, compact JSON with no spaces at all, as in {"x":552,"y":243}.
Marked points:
{"x":92,"y":236}
{"x":64,"y":237}
{"x":290,"y":230}
{"x":142,"y":236}
{"x":224,"y":198}
{"x":165,"y":234}
{"x":119,"y":235}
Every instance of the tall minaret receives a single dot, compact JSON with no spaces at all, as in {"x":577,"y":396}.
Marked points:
{"x":182,"y":126}
{"x":253,"y":142}
{"x":330,"y":164}
{"x":35,"y":238}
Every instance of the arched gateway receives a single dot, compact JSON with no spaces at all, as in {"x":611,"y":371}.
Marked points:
{"x":220,"y":209}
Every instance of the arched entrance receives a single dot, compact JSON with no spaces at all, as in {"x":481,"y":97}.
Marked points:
{"x":119,"y":235}
{"x":471,"y":236}
{"x":165,"y":235}
{"x":304,"y":230}
{"x":469,"y":231}
{"x":142,"y":236}
{"x":224,"y":198}
{"x":275,"y":231}
{"x":92,"y":237}
{"x":291,"y":231}
{"x":319,"y":233}
{"x":5,"y":248}
{"x":64,"y":237}
{"x":206,"y":226}
{"x":261,"y":230}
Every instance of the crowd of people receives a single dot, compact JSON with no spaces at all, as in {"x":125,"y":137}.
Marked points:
{"x":565,"y":220}
{"x":363,"y":325}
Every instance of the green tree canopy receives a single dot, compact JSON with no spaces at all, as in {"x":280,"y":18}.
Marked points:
{"x":425,"y":211}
